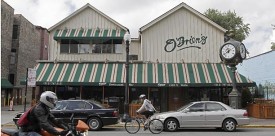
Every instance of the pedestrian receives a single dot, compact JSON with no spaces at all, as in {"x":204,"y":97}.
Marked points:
{"x":11,"y":104}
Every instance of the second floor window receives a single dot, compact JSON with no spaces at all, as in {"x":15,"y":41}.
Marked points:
{"x":15,"y":32}
{"x":90,"y":46}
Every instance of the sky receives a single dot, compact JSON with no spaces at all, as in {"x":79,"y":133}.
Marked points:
{"x":134,"y":14}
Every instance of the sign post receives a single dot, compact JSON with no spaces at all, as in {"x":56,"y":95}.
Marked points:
{"x":30,"y":82}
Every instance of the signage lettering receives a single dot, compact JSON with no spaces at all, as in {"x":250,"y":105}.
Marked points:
{"x":102,"y":84}
{"x":161,"y":84}
{"x":179,"y":42}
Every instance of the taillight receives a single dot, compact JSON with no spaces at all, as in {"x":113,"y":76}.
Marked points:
{"x":245,"y":114}
{"x":115,"y":113}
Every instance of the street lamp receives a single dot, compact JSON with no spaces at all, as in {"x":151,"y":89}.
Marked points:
{"x":127,"y":39}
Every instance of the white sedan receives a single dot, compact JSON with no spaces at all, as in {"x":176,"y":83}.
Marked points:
{"x":204,"y":114}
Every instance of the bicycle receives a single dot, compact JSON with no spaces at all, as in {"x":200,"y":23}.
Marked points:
{"x":132,"y":126}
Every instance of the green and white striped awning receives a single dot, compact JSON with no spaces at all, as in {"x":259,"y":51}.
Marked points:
{"x":5,"y":83}
{"x":89,"y":34}
{"x":140,"y":74}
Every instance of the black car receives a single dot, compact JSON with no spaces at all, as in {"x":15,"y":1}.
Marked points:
{"x":93,"y":113}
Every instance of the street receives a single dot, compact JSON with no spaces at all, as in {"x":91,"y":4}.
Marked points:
{"x":185,"y":132}
{"x":189,"y":132}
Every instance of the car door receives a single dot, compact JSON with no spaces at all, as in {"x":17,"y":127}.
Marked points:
{"x":214,"y":114}
{"x":194,"y":115}
{"x":59,"y":109}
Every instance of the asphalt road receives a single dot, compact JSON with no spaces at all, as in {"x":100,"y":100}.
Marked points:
{"x":189,"y":132}
{"x":184,"y":132}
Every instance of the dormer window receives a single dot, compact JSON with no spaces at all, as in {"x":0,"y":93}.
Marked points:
{"x":86,"y":41}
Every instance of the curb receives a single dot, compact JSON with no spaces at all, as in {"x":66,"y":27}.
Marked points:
{"x":257,"y":126}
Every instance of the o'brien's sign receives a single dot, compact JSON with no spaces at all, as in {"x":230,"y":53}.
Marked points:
{"x":182,"y":43}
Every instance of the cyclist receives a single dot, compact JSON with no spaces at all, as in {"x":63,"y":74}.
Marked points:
{"x":146,"y":109}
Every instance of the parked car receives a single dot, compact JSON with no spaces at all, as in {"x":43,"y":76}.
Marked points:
{"x":206,"y":114}
{"x":93,"y":113}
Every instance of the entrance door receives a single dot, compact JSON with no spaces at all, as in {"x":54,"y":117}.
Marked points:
{"x":176,"y":98}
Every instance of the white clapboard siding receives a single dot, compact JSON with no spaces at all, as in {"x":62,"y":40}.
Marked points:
{"x":181,"y":23}
{"x":87,"y":18}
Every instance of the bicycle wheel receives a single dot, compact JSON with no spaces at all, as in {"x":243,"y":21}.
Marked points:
{"x":132,"y":126}
{"x":156,"y":126}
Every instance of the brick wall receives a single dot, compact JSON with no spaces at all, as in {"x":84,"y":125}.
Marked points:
{"x":7,"y":13}
{"x":28,"y":46}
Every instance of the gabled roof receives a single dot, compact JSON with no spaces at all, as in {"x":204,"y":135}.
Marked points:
{"x":82,"y":9}
{"x":182,"y":5}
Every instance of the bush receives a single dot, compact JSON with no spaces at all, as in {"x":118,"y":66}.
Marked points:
{"x":246,"y":97}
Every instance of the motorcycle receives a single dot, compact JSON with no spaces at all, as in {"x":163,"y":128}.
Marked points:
{"x":78,"y":128}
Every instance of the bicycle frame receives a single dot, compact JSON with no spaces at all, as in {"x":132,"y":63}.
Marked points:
{"x":154,"y":125}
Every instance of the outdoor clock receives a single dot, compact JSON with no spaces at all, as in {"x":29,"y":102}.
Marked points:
{"x":242,"y":51}
{"x":232,"y":52}
{"x":228,"y":51}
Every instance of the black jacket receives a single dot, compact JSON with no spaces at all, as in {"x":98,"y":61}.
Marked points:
{"x":41,"y":118}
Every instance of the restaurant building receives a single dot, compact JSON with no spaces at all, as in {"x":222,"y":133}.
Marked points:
{"x":174,"y":60}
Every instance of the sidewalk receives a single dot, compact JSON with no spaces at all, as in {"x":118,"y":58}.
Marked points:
{"x":6,"y":119}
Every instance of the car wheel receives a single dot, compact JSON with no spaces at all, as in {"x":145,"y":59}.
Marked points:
{"x":229,"y":125}
{"x":94,"y":123}
{"x":171,"y":125}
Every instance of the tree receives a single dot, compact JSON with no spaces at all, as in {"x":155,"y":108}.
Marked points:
{"x":246,"y":97}
{"x":230,"y":21}
{"x":273,"y":46}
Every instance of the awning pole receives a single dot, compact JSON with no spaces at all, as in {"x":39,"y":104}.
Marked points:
{"x":103,"y":94}
{"x":148,"y":93}
{"x":26,"y":90}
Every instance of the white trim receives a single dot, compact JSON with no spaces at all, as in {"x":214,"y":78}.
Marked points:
{"x":82,"y":9}
{"x":182,"y":5}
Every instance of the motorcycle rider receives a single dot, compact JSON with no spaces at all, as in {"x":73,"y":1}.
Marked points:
{"x":41,"y":118}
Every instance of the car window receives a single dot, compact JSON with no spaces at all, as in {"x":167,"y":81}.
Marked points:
{"x":214,"y":107}
{"x":73,"y":105}
{"x":60,"y":105}
{"x":96,"y":105}
{"x":197,"y":107}
{"x":88,"y":106}
{"x":183,"y":107}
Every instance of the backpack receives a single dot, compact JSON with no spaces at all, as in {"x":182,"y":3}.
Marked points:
{"x":23,"y":120}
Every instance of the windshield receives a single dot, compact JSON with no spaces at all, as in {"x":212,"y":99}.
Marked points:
{"x":185,"y":106}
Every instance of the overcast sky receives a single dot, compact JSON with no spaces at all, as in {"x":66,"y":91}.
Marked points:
{"x":134,"y":14}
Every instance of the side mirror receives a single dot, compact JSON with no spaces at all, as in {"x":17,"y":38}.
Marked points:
{"x":186,"y":110}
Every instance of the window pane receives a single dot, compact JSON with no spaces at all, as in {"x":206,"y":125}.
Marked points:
{"x":74,"y":46}
{"x":84,"y":48}
{"x":15,"y":32}
{"x":118,"y":48}
{"x":64,"y":48}
{"x":96,"y":48}
{"x":12,"y":58}
{"x":107,"y":48}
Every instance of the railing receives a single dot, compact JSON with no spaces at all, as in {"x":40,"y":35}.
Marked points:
{"x":262,"y":109}
{"x":133,"y":108}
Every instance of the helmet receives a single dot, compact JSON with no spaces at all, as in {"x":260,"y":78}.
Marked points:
{"x":49,"y":98}
{"x":142,"y":96}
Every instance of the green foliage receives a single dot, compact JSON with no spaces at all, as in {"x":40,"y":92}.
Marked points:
{"x":230,"y":21}
{"x":273,"y":46}
{"x":246,"y":97}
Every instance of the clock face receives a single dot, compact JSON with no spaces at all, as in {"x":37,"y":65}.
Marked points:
{"x":228,"y":51}
{"x":242,"y":51}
